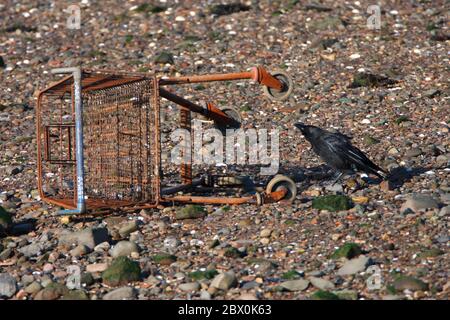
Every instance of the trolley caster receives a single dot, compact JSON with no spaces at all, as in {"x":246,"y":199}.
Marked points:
{"x":233,"y":114}
{"x":285,"y":92}
{"x":259,"y":199}
{"x":278,"y":183}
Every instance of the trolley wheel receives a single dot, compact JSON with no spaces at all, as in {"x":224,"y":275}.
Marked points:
{"x":259,"y":199}
{"x":282,"y":181}
{"x":285,"y":92}
{"x":233,"y":114}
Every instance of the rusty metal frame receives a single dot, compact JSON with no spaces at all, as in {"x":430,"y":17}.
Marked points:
{"x":99,"y":80}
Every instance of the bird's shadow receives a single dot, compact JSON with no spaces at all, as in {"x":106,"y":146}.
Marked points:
{"x":400,"y":175}
{"x":22,"y":227}
{"x":323,"y":173}
{"x":307,"y":176}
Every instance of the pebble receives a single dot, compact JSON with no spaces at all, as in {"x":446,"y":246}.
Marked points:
{"x":408,"y":120}
{"x":97,"y":267}
{"x":224,"y":281}
{"x":418,"y":202}
{"x":392,"y":297}
{"x":205,"y":295}
{"x":414,"y":152}
{"x":354,"y":266}
{"x":295,"y":285}
{"x":89,"y":237}
{"x":189,"y":287}
{"x":128,"y":228}
{"x":79,"y":250}
{"x":321,"y":284}
{"x":445,"y":211}
{"x":8,"y":286}
{"x":102,"y":247}
{"x":124,"y":248}
{"x":48,"y":268}
{"x":27,"y":279}
{"x":124,"y":293}
{"x":33,"y":288}
{"x":409,"y":283}
{"x":33,"y":249}
{"x":265,"y":233}
{"x":171,"y":243}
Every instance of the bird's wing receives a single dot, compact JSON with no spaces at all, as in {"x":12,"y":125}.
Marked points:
{"x":343,"y":148}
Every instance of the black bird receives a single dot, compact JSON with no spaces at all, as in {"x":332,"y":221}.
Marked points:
{"x":337,"y":151}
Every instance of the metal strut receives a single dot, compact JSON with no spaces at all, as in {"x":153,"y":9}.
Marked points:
{"x":81,"y":202}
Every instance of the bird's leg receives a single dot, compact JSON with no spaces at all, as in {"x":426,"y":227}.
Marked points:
{"x":336,"y":177}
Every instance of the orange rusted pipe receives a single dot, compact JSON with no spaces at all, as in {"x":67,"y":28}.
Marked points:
{"x":210,"y":200}
{"x":277,"y":195}
{"x":258,"y":74}
{"x":209,"y":78}
{"x":210,"y":112}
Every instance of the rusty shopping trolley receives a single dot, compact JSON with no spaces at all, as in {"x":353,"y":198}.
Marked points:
{"x":99,"y":140}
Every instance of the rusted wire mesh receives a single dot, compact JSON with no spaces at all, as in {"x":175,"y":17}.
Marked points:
{"x":121,"y":140}
{"x":119,"y":144}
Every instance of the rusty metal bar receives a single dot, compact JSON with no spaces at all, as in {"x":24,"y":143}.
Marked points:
{"x":212,"y":113}
{"x":257,"y":74}
{"x":186,"y":165}
{"x":210,"y":200}
{"x":208,"y":78}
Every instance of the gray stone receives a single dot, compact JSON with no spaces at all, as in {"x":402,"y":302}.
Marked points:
{"x":124,"y":293}
{"x":33,"y":249}
{"x":123,"y":249}
{"x":190,"y":212}
{"x":224,"y":281}
{"x":336,"y":188}
{"x":409,"y":283}
{"x":8,"y":285}
{"x":164,"y":57}
{"x":442,"y":160}
{"x":79,"y":250}
{"x":354,"y":266}
{"x":295,"y":285}
{"x":27,"y":279}
{"x":171,"y":242}
{"x":321,"y":284}
{"x":347,"y":294}
{"x":445,"y":211}
{"x":205,"y":295}
{"x":189,"y":287}
{"x":52,"y":291}
{"x":5,"y":254}
{"x":33,"y":288}
{"x":443,"y":238}
{"x":414,"y":152}
{"x":418,"y":202}
{"x":90,"y":237}
{"x":102,"y":247}
{"x":392,"y":297}
{"x":445,"y":197}
{"x":128,"y":228}
{"x":250,"y":285}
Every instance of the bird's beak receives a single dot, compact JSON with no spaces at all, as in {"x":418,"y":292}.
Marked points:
{"x":300,"y":126}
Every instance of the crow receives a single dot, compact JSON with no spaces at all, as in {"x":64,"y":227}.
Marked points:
{"x":338,"y":152}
